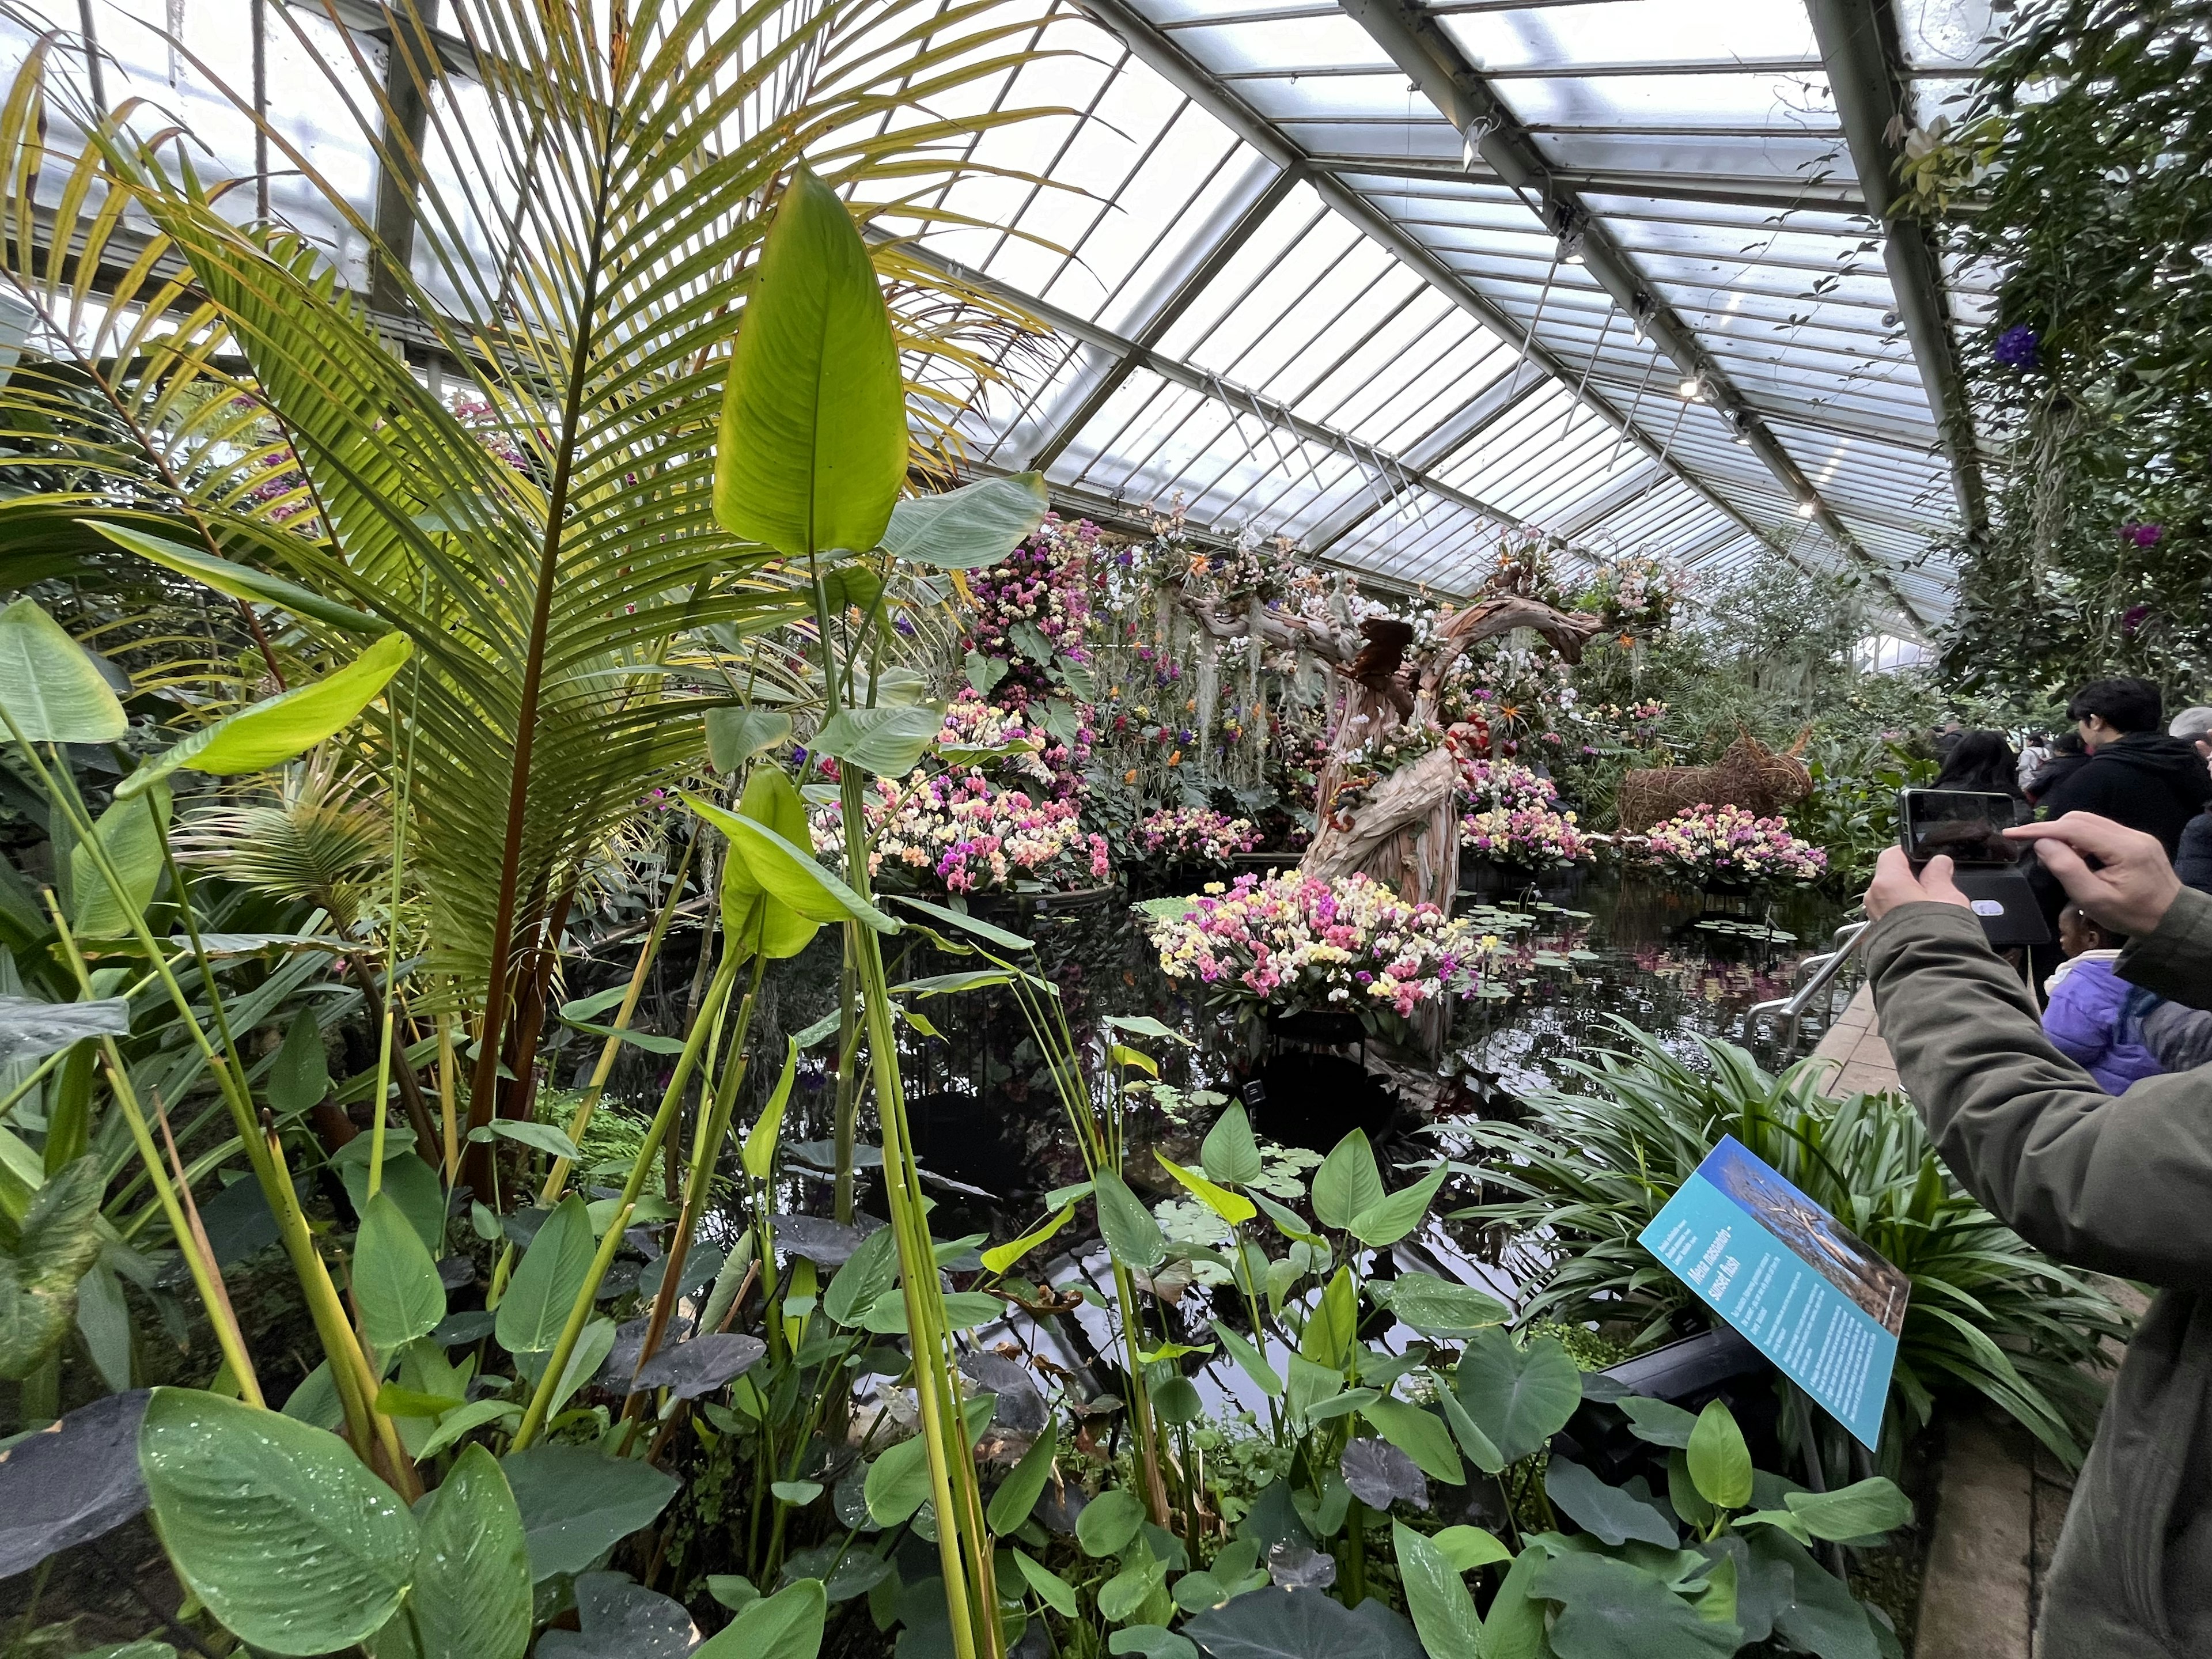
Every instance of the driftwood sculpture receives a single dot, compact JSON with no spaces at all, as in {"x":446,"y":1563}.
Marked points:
{"x":1406,"y":832}
{"x":1749,"y":775}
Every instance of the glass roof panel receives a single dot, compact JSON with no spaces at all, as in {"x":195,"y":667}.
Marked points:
{"x":1629,"y":34}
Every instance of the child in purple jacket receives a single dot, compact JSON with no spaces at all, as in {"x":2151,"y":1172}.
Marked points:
{"x":2084,"y":1017}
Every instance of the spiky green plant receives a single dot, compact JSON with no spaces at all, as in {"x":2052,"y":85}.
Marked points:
{"x":1597,"y":1163}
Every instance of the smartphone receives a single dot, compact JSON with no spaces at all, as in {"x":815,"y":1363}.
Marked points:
{"x":1966,"y":825}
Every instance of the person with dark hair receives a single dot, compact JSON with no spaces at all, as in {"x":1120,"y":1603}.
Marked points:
{"x":2034,"y":755}
{"x":2068,"y":756}
{"x":2137,"y":774}
{"x":1981,"y":761}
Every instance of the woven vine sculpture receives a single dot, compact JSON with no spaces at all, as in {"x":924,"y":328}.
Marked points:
{"x":1749,"y":775}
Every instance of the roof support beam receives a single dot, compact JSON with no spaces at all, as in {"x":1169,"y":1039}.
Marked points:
{"x":1146,"y":40}
{"x":1260,"y":194}
{"x":1381,"y":462}
{"x":1859,"y":43}
{"x":1433,"y":60}
{"x":410,"y":65}
{"x":1503,"y":395}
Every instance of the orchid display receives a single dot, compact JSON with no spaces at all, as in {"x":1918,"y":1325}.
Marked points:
{"x":959,"y":830}
{"x":1030,"y":614}
{"x":1194,"y":835}
{"x":1534,"y":838}
{"x":1296,"y":942}
{"x":1727,"y":844}
{"x":1493,"y":784}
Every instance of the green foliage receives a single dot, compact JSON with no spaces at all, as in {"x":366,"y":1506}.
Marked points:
{"x":1987,"y":1312}
{"x":2092,"y":379}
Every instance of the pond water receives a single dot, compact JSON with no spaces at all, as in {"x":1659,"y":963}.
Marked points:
{"x":1575,"y":956}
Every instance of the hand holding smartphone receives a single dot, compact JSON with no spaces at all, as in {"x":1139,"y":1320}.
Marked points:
{"x":1967,"y":827}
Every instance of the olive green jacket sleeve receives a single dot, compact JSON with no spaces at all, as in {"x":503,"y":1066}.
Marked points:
{"x":2175,"y":958}
{"x":2122,"y":1184}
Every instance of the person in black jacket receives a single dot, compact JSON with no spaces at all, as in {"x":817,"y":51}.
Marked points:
{"x":2192,"y":860}
{"x":1981,"y":762}
{"x":2137,"y":776}
{"x":2066,"y":757}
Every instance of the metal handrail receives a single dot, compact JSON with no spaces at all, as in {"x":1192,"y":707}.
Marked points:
{"x":1815,"y":977}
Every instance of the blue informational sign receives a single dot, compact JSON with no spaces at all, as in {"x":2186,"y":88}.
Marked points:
{"x":1810,"y":1296}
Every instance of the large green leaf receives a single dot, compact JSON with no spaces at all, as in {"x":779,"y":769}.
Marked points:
{"x":1000,"y":1257}
{"x":788,"y":873}
{"x":277,"y":1527}
{"x":967,"y":528}
{"x":888,"y":741}
{"x":1301,"y":1623}
{"x":1388,"y":1219}
{"x":1347,"y":1182}
{"x":30,"y":1029}
{"x":897,"y":1483}
{"x":395,"y":1282}
{"x":284,"y":726}
{"x":1249,"y":1359}
{"x":238,"y":581}
{"x":1720,"y":1463}
{"x":1019,"y":1492}
{"x":1513,"y":1628}
{"x":57,"y":1242}
{"x":813,"y":451}
{"x":131,"y":833}
{"x":868,"y":1273}
{"x":51,"y":689}
{"x":1132,"y":1235}
{"x":784,"y":1625}
{"x":734,"y":736}
{"x":758,"y":1153}
{"x":1861,"y":1510}
{"x":471,"y":1595}
{"x":1611,"y":1610}
{"x":543,"y":1289}
{"x":1419,"y":1434}
{"x":1108,"y":1521}
{"x":576,"y":1505}
{"x":1229,"y":1153}
{"x":750,"y":915}
{"x":1518,"y":1397}
{"x":1438,"y":1307}
{"x":1437,"y":1596}
{"x":1605,"y":1512}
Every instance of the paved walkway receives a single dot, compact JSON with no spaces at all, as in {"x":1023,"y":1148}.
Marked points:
{"x":1854,"y":1043}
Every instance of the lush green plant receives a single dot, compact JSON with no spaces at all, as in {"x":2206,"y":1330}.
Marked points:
{"x":1987,"y":1312}
{"x":1852,"y":810}
{"x":2077,"y":167}
{"x":1359,"y":1428}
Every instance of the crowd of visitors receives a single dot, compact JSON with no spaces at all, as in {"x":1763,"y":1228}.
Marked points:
{"x":2086,"y":1124}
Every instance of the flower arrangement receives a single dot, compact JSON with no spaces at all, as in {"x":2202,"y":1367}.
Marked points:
{"x":1727,"y":844}
{"x":1637,"y":594}
{"x":1296,"y":942}
{"x":1534,"y":838}
{"x":1507,"y":785}
{"x":1032,"y":609}
{"x":1194,"y":835}
{"x":1019,"y":750}
{"x":971,"y":836}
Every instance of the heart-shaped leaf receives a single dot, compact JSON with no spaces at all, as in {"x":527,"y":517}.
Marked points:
{"x":1608,"y":1513}
{"x":1229,"y":1153}
{"x":734,"y":736}
{"x":1347,"y":1182}
{"x":1420,"y":1435}
{"x":1720,"y":1463}
{"x":1611,"y":1610}
{"x":78,"y":1481}
{"x":1657,"y":1422}
{"x":621,"y":1619}
{"x":1518,"y":1397}
{"x":1438,"y":1307}
{"x":576,"y":1505}
{"x":689,"y":1369}
{"x":1132,"y":1235}
{"x":1380,"y":1475}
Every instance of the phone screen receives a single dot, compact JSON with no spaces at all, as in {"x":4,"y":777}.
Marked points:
{"x":1966,"y":826}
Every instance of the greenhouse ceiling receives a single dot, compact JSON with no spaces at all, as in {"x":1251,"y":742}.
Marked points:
{"x":1390,"y":279}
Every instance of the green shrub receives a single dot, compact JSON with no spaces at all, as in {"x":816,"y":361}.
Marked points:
{"x":1987,"y":1312}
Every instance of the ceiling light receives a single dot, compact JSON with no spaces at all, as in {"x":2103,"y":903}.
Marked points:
{"x":1806,"y":510}
{"x":1692,"y":387}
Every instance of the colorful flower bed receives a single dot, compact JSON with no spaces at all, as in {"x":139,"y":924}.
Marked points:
{"x":960,"y":831}
{"x":1727,"y":844}
{"x":1507,"y":785}
{"x":1533,"y":838}
{"x":1295,"y":942}
{"x":1194,"y":835}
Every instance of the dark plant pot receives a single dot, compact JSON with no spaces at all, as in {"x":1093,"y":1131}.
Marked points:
{"x":1317,"y":1028}
{"x":1263,"y":863}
